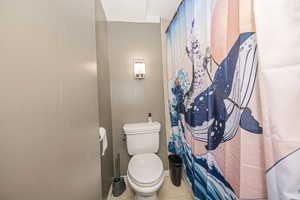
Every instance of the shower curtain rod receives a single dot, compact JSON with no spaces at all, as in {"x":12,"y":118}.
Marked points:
{"x":174,"y":16}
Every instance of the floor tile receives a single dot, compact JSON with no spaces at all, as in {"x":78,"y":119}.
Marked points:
{"x":167,"y":192}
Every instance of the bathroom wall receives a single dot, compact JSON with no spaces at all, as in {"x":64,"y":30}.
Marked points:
{"x":133,"y":99}
{"x":48,"y":101}
{"x":104,"y":96}
{"x":164,"y":23}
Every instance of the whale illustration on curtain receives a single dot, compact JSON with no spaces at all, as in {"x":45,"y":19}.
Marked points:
{"x":212,"y":65}
{"x":216,"y":113}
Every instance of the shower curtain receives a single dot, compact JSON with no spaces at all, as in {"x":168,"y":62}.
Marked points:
{"x":279,"y":45}
{"x":215,"y":104}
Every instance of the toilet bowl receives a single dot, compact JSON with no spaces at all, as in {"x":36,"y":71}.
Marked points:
{"x":145,"y":175}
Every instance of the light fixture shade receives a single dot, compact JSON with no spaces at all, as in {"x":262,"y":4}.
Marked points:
{"x":139,"y":69}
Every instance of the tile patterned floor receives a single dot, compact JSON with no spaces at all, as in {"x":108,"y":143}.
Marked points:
{"x":167,"y":192}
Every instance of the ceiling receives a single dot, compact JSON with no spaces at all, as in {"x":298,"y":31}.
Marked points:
{"x":139,"y":10}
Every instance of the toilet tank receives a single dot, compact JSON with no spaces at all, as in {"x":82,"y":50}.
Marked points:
{"x":142,"y":137}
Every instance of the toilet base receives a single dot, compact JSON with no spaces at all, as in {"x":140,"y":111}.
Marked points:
{"x":142,"y":197}
{"x":146,"y":193}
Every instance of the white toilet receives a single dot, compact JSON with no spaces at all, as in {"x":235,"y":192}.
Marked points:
{"x":145,"y":170}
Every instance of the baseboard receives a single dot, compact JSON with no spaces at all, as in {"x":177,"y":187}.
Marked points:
{"x":167,"y":173}
{"x":109,"y":196}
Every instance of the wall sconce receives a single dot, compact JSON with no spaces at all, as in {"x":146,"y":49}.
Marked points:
{"x":139,"y":68}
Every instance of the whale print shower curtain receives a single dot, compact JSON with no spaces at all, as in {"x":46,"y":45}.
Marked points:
{"x":215,"y":102}
{"x":280,"y":83}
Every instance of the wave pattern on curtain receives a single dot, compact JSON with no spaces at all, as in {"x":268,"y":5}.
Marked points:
{"x":213,"y":99}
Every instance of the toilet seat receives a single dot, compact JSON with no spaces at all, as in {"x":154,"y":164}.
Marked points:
{"x":145,"y":170}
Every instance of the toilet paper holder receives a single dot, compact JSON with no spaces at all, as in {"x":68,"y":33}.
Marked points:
{"x":103,"y":139}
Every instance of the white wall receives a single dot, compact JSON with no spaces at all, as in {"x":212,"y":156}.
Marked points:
{"x":48,"y":101}
{"x":164,"y":23}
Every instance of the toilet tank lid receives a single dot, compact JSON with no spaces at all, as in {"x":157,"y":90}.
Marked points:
{"x":141,"y":128}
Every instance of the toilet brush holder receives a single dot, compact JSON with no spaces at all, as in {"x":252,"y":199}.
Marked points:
{"x":119,"y":186}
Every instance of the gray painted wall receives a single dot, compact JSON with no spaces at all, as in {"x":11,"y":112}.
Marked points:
{"x":49,"y":146}
{"x":133,"y":99}
{"x":104,"y":97}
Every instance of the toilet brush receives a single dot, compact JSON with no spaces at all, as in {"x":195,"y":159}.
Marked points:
{"x":119,"y":185}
